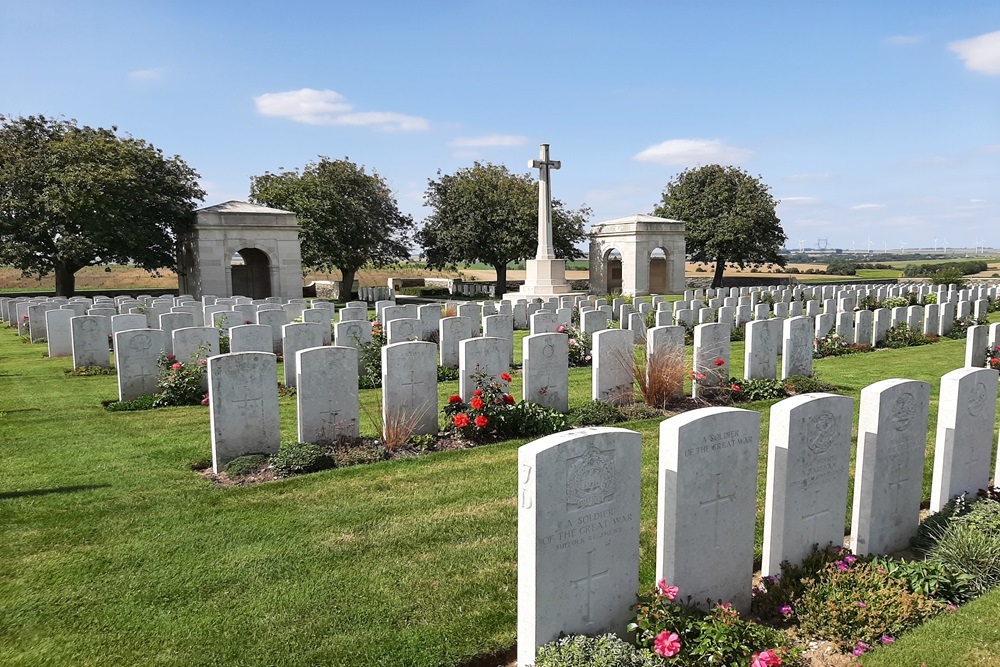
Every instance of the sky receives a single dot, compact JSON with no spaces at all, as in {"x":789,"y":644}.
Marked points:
{"x":875,"y":124}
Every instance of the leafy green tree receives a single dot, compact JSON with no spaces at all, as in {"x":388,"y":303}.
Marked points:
{"x":729,"y":216}
{"x":486,"y":214}
{"x":72,"y":197}
{"x":349,"y":218}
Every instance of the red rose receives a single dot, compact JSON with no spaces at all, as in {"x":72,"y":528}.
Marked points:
{"x":476,"y":403}
{"x":461,"y":420}
{"x":735,"y":387}
{"x":478,"y":392}
{"x":482,"y":421}
{"x":508,"y":399}
{"x":505,"y":377}
{"x":719,"y":362}
{"x":454,"y":398}
{"x":204,"y":401}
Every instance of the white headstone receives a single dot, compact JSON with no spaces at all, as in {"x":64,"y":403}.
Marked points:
{"x":295,"y":337}
{"x":251,"y":338}
{"x":480,"y":355}
{"x":711,"y":358}
{"x":889,"y":465}
{"x":546,"y":370}
{"x":797,"y":347}
{"x":706,"y":503}
{"x":192,"y":343}
{"x":170,"y":322}
{"x":136,"y":354}
{"x":808,"y":461}
{"x":409,"y":387}
{"x":243,"y":405}
{"x":613,"y":366}
{"x":58,"y":332}
{"x":967,"y":407}
{"x":577,"y":535}
{"x":976,"y":341}
{"x":402,"y":329}
{"x":90,"y":341}
{"x":327,"y":394}
{"x":760,"y":356}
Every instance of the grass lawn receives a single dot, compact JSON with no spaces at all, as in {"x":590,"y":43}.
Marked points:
{"x":115,"y":553}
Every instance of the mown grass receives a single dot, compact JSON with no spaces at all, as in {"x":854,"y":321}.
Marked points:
{"x":115,"y":553}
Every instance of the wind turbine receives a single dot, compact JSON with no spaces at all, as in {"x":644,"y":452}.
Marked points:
{"x":946,"y":246}
{"x":802,"y":245}
{"x":902,"y":246}
{"x":869,"y":244}
{"x":935,"y":245}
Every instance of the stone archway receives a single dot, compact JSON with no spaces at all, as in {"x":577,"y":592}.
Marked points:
{"x":644,"y":270}
{"x":612,"y":271}
{"x":251,"y":273}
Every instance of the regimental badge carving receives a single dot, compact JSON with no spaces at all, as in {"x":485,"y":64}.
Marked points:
{"x":590,"y":479}
{"x":90,"y":326}
{"x":977,"y":400}
{"x":548,"y":351}
{"x":821,"y":432}
{"x":140,"y":342}
{"x":904,"y":411}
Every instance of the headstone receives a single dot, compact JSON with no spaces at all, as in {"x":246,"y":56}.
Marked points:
{"x":544,"y":322}
{"x":90,"y":341}
{"x":402,"y":329}
{"x":501,"y":326}
{"x":915,"y":318}
{"x":353,"y":333}
{"x":889,"y":467}
{"x":863,"y":327}
{"x":409,"y":387}
{"x":472,"y":311}
{"x":58,"y":332}
{"x":593,"y":321}
{"x":126,"y":322}
{"x":429,"y":316}
{"x":275,"y":319}
{"x":711,"y":359}
{"x":845,"y":326}
{"x":966,"y":409}
{"x":932,"y":319}
{"x":613,"y":366}
{"x":947,"y":318}
{"x":480,"y":355}
{"x":295,"y":337}
{"x":327,"y":394}
{"x":808,"y":461}
{"x":195,"y":343}
{"x":170,"y":322}
{"x":760,"y":356}
{"x":320,"y":316}
{"x":451,"y":332}
{"x":136,"y":354}
{"x":706,"y":503}
{"x":352,"y":314}
{"x":251,"y":338}
{"x":797,"y":347}
{"x":545,"y":362}
{"x":243,"y":405}
{"x":976,"y":340}
{"x":882,"y":324}
{"x":577,"y":535}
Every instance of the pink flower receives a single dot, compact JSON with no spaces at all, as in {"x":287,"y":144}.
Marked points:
{"x":587,"y":358}
{"x":842,"y":566}
{"x":204,"y":401}
{"x":202,"y":362}
{"x":886,"y":639}
{"x":850,"y":560}
{"x":952,"y":607}
{"x":860,"y":648}
{"x":170,"y":357}
{"x":861,"y":605}
{"x":667,"y":644}
{"x":766,"y":658}
{"x":177,"y":366}
{"x":560,"y":329}
{"x":670,"y":592}
{"x":785,"y":610}
{"x":572,"y":341}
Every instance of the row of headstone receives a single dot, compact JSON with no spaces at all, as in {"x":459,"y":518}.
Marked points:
{"x":578,"y":496}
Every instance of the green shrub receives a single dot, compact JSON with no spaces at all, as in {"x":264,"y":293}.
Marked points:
{"x":526,"y":419}
{"x":778,"y":593}
{"x":602,"y":651}
{"x":803,"y":384}
{"x":248,"y":464}
{"x":639,"y":410}
{"x":933,"y":527}
{"x":894,"y":302}
{"x":966,"y":550}
{"x":360,"y":453}
{"x":296,"y":458}
{"x":848,"y":603}
{"x":141,"y":403}
{"x":902,"y":335}
{"x":426,"y":442}
{"x":424,"y":291}
{"x":839,"y":267}
{"x":930,"y":298}
{"x":737,"y":334}
{"x":89,"y":371}
{"x":180,"y":383}
{"x":596,"y":413}
{"x":445,"y":374}
{"x":758,"y":389}
{"x":370,"y":355}
{"x":929,"y":578}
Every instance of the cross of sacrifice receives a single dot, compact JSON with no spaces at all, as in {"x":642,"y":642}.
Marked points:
{"x":589,"y":579}
{"x":544,"y":165}
{"x":714,"y":504}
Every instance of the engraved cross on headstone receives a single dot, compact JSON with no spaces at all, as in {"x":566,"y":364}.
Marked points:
{"x":810,"y":521}
{"x":543,"y":165}
{"x":590,"y":579}
{"x":714,"y":504}
{"x":413,"y":387}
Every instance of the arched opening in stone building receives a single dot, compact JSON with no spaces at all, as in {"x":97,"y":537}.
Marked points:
{"x":659,"y":272}
{"x":613,"y":270}
{"x":251,"y":269}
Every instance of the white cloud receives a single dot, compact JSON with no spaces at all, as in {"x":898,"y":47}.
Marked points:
{"x":809,"y":177}
{"x":328,"y":107}
{"x":867,"y":207}
{"x":903,"y":40}
{"x":796,"y":200}
{"x":489,"y":141}
{"x":146,"y":74}
{"x":689,"y":152}
{"x":977,"y":201}
{"x":981,"y":54}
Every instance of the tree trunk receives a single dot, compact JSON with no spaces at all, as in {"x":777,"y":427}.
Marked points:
{"x":347,"y":284}
{"x":501,"y":284}
{"x":65,"y":280}
{"x":720,"y":266}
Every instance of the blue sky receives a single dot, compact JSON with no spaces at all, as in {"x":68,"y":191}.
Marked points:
{"x":871,"y":121}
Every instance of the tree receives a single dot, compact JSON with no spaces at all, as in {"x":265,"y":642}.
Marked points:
{"x":486,"y":214}
{"x":728,"y":215}
{"x":74,"y":196}
{"x":348,"y":217}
